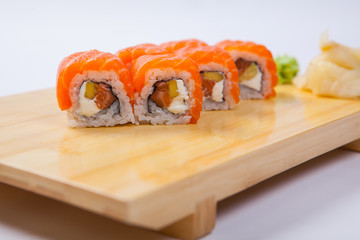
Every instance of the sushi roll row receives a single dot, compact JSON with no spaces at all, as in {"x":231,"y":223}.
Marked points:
{"x":162,"y":84}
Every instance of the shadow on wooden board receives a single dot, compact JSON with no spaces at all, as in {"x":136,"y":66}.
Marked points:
{"x":355,"y":146}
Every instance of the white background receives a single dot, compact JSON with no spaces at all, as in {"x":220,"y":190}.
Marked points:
{"x":36,"y":35}
{"x":318,"y":200}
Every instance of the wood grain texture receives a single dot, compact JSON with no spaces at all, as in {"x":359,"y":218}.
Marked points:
{"x":153,"y":176}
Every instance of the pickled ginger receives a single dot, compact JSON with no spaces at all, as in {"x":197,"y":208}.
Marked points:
{"x":335,"y":72}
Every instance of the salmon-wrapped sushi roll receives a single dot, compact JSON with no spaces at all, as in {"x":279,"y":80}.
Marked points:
{"x":173,"y":46}
{"x":256,"y":67}
{"x":167,"y":90}
{"x":220,"y":79}
{"x":95,"y":89}
{"x":130,"y":54}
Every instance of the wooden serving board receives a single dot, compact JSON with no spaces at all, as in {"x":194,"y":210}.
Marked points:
{"x":166,"y":178}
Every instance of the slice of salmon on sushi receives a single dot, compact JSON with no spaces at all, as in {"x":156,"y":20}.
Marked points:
{"x":95,"y":89}
{"x":220,"y":79}
{"x":256,"y":67}
{"x":167,"y":89}
{"x":130,"y":54}
{"x":173,"y":46}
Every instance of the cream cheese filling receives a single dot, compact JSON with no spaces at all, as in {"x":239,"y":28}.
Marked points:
{"x":255,"y":82}
{"x":217,"y":92}
{"x":178,"y":104}
{"x":87,"y":107}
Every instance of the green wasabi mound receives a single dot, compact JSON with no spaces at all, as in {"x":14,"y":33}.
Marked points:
{"x":287,"y":68}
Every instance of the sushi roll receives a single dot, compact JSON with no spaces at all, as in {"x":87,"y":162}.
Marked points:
{"x":130,"y":54}
{"x":95,"y":89}
{"x":173,"y":46}
{"x":256,"y":67}
{"x":167,"y":90}
{"x":219,"y":75}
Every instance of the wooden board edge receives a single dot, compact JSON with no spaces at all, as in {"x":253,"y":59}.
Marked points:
{"x":67,"y":193}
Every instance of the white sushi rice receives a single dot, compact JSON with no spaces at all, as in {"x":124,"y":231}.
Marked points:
{"x":248,"y":93}
{"x":120,"y":112}
{"x":228,"y":102}
{"x":146,"y":111}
